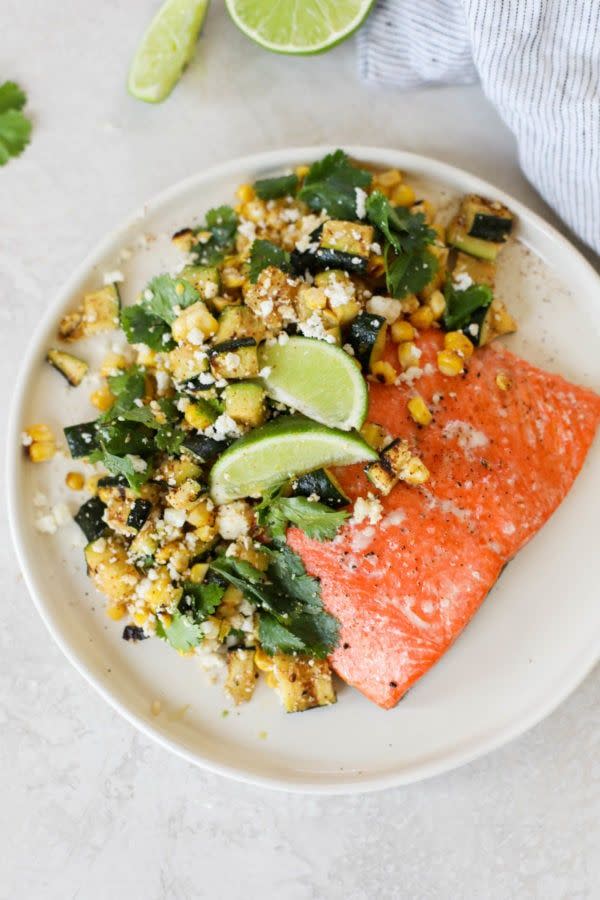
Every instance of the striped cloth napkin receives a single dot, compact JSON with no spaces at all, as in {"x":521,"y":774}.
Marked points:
{"x":539,"y":63}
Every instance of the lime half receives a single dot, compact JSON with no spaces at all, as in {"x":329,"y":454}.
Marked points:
{"x":166,"y":49}
{"x":279,"y":450}
{"x":298,"y":26}
{"x":317,"y":379}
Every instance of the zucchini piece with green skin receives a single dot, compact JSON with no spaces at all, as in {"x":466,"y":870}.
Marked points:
{"x":381,"y":476}
{"x":237,"y":322}
{"x":367,"y":335}
{"x":235,"y":359}
{"x":205,"y":279}
{"x":203,"y":448}
{"x":81,"y":439}
{"x":480,"y":271}
{"x":204,"y":414}
{"x":488,"y":220}
{"x":242,"y":675}
{"x":323,"y":484}
{"x":113,"y":481}
{"x":134,"y":633}
{"x":70,"y":367}
{"x":326,"y":256}
{"x":488,"y":324}
{"x":99,"y":311}
{"x":245,"y":403}
{"x":90,"y":518}
{"x":347,"y":237}
{"x":139,"y":514}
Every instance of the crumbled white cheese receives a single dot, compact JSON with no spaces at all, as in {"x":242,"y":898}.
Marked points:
{"x":349,"y":349}
{"x":40,"y":500}
{"x":113,"y":277}
{"x":387,"y":307}
{"x":266,"y":308}
{"x":283,"y":338}
{"x":61,"y":514}
{"x":234,"y":519}
{"x":174,"y":517}
{"x":26,"y":439}
{"x":366,"y":509}
{"x":206,"y":378}
{"x":163,"y":381}
{"x":46,"y":524}
{"x":148,"y":295}
{"x":265,"y":372}
{"x":222,"y":427}
{"x":314,"y":328}
{"x":195,"y":337}
{"x":139,"y":464}
{"x":339,"y":292}
{"x":361,"y":202}
{"x":247,"y":229}
{"x":473,"y":329}
{"x":376,"y":248}
{"x":462,"y":281}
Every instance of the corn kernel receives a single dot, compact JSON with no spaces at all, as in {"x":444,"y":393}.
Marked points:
{"x":41,"y":451}
{"x":231,"y":598}
{"x":91,"y":484}
{"x":374,"y":435}
{"x":419,"y":411}
{"x":386,"y":181}
{"x":301,"y":171}
{"x":415,"y":471}
{"x":403,"y":195}
{"x":232,"y":278}
{"x":246,"y":193}
{"x":402,"y":331}
{"x":409,"y":304}
{"x":206,"y":533}
{"x":460,"y":343}
{"x":195,"y":318}
{"x":422,"y":318}
{"x":198,"y":572}
{"x":384,"y":372}
{"x":102,"y":399}
{"x":115,"y":612}
{"x":197,"y":417}
{"x":314,"y":298}
{"x":202,"y":513}
{"x":166,"y":619}
{"x":224,"y":629}
{"x":450,"y":363}
{"x":503,"y":381}
{"x":408,"y":354}
{"x":262,"y":660}
{"x":111,"y":363}
{"x":40,"y":433}
{"x":140,"y":617}
{"x":75,"y":481}
{"x":437,"y":304}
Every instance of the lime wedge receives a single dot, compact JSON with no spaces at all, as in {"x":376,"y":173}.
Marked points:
{"x":317,"y":379}
{"x":166,"y":49}
{"x":298,"y":26}
{"x":279,"y":450}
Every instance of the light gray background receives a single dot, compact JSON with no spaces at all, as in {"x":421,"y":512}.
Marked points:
{"x":89,"y":808}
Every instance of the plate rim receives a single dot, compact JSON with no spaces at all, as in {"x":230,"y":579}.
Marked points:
{"x":355,"y":783}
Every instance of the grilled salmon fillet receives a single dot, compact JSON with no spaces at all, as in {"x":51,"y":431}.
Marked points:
{"x":503,"y":452}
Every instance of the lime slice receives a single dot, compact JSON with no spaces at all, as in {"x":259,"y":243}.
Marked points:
{"x":317,"y":379}
{"x":166,"y":49}
{"x":298,"y":26}
{"x":279,"y":450}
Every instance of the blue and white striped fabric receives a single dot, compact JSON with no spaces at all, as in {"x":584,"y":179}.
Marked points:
{"x":539,"y":63}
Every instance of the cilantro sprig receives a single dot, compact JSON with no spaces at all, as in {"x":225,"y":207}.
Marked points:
{"x":331,"y":184}
{"x":198,"y":602}
{"x":221,"y":224}
{"x":463,"y":306}
{"x":273,"y":188}
{"x":316,"y":520}
{"x":15,"y":127}
{"x":264,"y":254}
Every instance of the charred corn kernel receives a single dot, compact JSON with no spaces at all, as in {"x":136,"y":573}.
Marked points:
{"x":231,"y":598}
{"x":422,"y":317}
{"x":232,"y":278}
{"x":203,"y":513}
{"x":419,"y":411}
{"x":437,"y":304}
{"x":314,"y":298}
{"x":262,"y":660}
{"x":384,"y":372}
{"x":40,"y":433}
{"x":91,"y":484}
{"x":161,"y":592}
{"x":376,"y":265}
{"x":403,"y":195}
{"x":115,"y":612}
{"x":206,"y":533}
{"x":75,"y":481}
{"x":301,"y":171}
{"x":246,"y":193}
{"x":460,"y":343}
{"x":112,"y":363}
{"x":197,"y":417}
{"x":415,"y":471}
{"x":174,"y":553}
{"x":408,"y":354}
{"x":184,"y":239}
{"x":140,"y":617}
{"x":166,"y":619}
{"x":374,"y":435}
{"x":450,"y":363}
{"x":102,"y":399}
{"x":503,"y":381}
{"x":146,"y":356}
{"x":402,"y":331}
{"x":41,"y":451}
{"x":198,"y":572}
{"x":196,"y":318}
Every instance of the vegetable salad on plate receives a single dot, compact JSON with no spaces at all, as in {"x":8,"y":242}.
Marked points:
{"x":242,"y":390}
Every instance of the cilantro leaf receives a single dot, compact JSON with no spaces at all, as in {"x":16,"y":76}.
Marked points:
{"x":408,"y":273}
{"x":182,"y":634}
{"x":331,"y":184}
{"x":201,"y":600}
{"x":164,"y":293}
{"x":222,"y":223}
{"x":462,"y":306}
{"x":11,"y":96}
{"x":126,"y":387}
{"x":405,"y":231}
{"x":142,"y":327}
{"x":169,"y":438}
{"x":264,"y":254}
{"x":315,"y":519}
{"x":123,"y":465}
{"x":272,"y":188}
{"x":292,"y":618}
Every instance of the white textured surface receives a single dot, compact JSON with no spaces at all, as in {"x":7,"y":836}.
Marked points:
{"x":89,"y":808}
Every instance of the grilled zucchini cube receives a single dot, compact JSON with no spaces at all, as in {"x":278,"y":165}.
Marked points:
{"x":347,"y":237}
{"x":205,"y":279}
{"x":200,"y":414}
{"x":70,"y":367}
{"x":367,"y":335}
{"x":187,"y":362}
{"x":301,"y":683}
{"x":467,"y":229}
{"x":195,"y":324}
{"x":245,"y":403}
{"x":237,"y":322}
{"x":381,"y":476}
{"x":480,"y":271}
{"x":241,"y":675}
{"x":110,"y":570}
{"x":496,"y":321}
{"x":323,"y":484}
{"x":98,"y":311}
{"x":235,"y":359}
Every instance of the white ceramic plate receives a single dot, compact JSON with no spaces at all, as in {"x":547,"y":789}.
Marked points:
{"x":532,"y":642}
